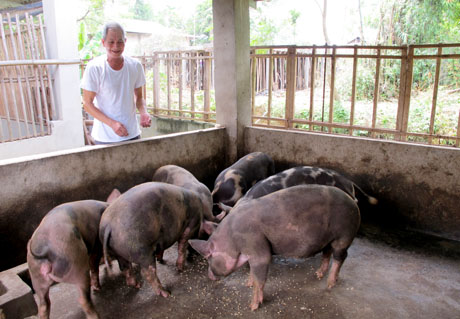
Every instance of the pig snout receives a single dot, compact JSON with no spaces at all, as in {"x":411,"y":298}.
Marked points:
{"x":211,"y":274}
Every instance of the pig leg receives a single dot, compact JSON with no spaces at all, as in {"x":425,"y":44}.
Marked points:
{"x":42,"y":288}
{"x":94,"y":260}
{"x":258,"y":266}
{"x":182,"y":249}
{"x":44,"y":303}
{"x":339,"y":257}
{"x":127,"y":269}
{"x":85,"y":299}
{"x":150,"y":275}
{"x":41,"y":283}
{"x":325,"y":259}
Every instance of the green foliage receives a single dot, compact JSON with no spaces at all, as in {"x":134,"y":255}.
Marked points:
{"x":89,"y":29}
{"x":419,"y":21}
{"x":200,"y":24}
{"x":365,"y":84}
{"x":142,"y":10}
{"x":263,"y":30}
{"x":168,"y":17}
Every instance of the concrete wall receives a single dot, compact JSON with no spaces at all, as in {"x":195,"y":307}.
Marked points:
{"x":417,"y":186}
{"x":33,"y":186}
{"x":161,"y":126}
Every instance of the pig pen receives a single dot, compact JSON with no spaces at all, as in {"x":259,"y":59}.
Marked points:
{"x":404,"y":263}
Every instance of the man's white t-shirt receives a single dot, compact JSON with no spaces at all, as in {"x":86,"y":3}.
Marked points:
{"x":114,"y":95}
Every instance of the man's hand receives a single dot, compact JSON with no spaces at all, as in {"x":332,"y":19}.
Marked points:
{"x":146,"y":121}
{"x":119,"y":128}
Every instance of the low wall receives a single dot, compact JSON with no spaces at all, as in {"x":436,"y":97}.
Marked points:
{"x":418,"y":186}
{"x":30,"y":188}
{"x":161,"y":126}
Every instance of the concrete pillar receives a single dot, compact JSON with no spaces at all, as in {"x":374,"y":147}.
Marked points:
{"x":61,"y":43}
{"x":232,"y":71}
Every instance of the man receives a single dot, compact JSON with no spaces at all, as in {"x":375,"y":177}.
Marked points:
{"x":115,"y":82}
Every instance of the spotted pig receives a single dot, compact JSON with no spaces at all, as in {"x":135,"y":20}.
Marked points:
{"x":179,"y":176}
{"x":146,"y":220}
{"x":298,"y":221}
{"x":303,"y":175}
{"x":65,"y":248}
{"x":233,"y":182}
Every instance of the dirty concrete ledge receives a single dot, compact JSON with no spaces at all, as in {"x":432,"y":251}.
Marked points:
{"x":16,"y":296}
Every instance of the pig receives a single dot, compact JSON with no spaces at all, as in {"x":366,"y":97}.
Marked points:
{"x":146,"y":220}
{"x":179,"y":176}
{"x":302,"y":175}
{"x":233,"y":182}
{"x":298,"y":221}
{"x":65,"y":247}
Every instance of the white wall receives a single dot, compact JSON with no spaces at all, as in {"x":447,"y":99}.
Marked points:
{"x":67,"y":131}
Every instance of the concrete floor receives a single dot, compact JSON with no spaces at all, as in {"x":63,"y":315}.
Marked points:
{"x":387,"y":275}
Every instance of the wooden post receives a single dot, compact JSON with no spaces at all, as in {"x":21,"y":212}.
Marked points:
{"x":435,"y":94}
{"x":270,"y":86}
{"x":192,"y":82}
{"x":332,"y":89}
{"x":353,"y":89}
{"x":4,"y":90}
{"x":402,"y":92}
{"x":40,"y":73}
{"x":52,"y":111}
{"x":156,"y":83}
{"x":312,"y":86}
{"x":207,"y":85}
{"x":19,"y":79}
{"x":253,"y":83}
{"x":181,"y":86}
{"x":457,"y":143}
{"x":168,"y":79}
{"x":376,"y":92}
{"x":407,"y":92}
{"x":290,"y":85}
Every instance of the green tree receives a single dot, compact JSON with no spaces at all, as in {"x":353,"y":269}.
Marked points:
{"x":89,"y":26}
{"x":142,"y":10}
{"x":419,"y":21}
{"x":293,"y":21}
{"x":200,"y":23}
{"x":263,"y":30}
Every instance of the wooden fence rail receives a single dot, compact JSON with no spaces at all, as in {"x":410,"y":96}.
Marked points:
{"x":27,"y":105}
{"x":311,"y":73}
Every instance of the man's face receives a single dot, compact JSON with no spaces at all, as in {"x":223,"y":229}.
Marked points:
{"x":114,"y":43}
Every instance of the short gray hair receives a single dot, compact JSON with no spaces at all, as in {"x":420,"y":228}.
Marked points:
{"x":112,"y":25}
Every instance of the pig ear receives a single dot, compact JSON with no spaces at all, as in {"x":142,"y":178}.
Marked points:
{"x":113,"y":196}
{"x":208,"y":227}
{"x":224,"y":207}
{"x":201,"y":246}
{"x":219,"y":217}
